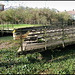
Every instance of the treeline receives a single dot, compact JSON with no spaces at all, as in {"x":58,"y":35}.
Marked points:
{"x":28,"y":15}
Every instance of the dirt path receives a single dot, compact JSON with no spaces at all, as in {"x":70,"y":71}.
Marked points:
{"x":7,"y":45}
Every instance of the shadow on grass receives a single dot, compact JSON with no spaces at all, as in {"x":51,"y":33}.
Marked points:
{"x":59,"y":53}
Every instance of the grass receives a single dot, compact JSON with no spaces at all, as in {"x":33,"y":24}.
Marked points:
{"x":18,"y":25}
{"x":6,"y":38}
{"x":57,"y":61}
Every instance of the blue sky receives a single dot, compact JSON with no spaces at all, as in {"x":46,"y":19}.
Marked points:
{"x":59,"y":5}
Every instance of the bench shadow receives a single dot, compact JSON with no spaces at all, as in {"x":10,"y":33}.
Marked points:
{"x":59,"y":54}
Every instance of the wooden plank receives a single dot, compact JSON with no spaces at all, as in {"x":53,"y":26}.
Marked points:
{"x":47,"y":35}
{"x":51,"y":35}
{"x":54,"y":33}
{"x":36,"y":46}
{"x":21,"y":42}
{"x":23,"y":36}
{"x":55,"y":40}
{"x":48,"y":31}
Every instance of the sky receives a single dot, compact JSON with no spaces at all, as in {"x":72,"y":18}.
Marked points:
{"x":59,"y":5}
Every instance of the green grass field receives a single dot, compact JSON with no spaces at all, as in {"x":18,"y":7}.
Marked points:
{"x":57,"y":61}
{"x":17,"y":25}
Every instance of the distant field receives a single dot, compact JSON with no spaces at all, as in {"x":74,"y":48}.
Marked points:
{"x":18,"y":25}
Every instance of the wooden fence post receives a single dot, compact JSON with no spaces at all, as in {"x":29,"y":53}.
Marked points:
{"x":14,"y":34}
{"x":21,"y":44}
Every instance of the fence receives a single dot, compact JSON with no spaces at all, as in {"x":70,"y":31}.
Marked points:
{"x":56,"y":34}
{"x":44,"y":36}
